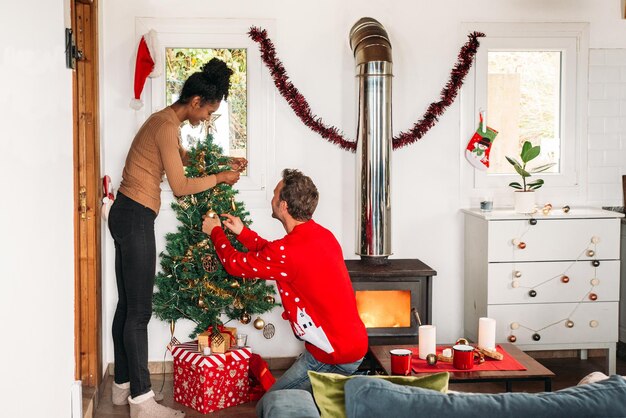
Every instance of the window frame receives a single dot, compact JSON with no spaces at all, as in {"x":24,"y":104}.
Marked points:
{"x":572,"y":40}
{"x":221,"y":33}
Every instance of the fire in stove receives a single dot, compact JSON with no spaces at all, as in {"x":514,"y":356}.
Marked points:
{"x":384,"y":308}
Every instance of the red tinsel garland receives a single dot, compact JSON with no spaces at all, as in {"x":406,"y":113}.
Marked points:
{"x":302,"y":109}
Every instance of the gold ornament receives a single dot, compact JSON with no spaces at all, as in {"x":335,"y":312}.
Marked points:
{"x":245,"y":318}
{"x":211,"y":213}
{"x":259,"y":323}
{"x":269,"y":299}
{"x":193,"y":200}
{"x":237,"y":304}
{"x":183,"y":204}
{"x":233,"y":205}
{"x":235,"y":284}
{"x":209,"y":263}
{"x":569,"y":324}
{"x":172,"y":327}
{"x":431,"y":359}
{"x":591,"y":253}
{"x":201,"y":302}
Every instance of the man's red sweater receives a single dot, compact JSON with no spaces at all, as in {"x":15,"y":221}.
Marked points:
{"x":314,"y":286}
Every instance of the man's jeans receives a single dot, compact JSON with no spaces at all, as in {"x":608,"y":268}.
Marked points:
{"x":296,"y":376}
{"x":132,"y":227}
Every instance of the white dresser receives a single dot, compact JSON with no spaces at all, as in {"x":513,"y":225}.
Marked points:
{"x":550,"y":281}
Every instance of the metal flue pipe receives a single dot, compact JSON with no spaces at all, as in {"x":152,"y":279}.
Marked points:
{"x":372,"y":53}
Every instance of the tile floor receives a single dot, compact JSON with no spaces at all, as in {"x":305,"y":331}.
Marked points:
{"x":568,"y":372}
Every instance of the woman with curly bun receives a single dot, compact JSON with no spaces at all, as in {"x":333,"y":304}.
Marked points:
{"x":156,"y":150}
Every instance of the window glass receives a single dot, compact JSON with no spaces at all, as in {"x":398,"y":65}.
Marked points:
{"x":229,"y":123}
{"x":524,"y":102}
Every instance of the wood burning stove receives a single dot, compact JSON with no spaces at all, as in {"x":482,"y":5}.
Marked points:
{"x":386,"y":295}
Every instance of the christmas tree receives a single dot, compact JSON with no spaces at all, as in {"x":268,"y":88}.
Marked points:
{"x":192,"y":283}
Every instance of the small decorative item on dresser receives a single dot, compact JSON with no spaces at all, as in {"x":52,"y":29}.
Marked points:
{"x":427,"y":340}
{"x":525,"y":196}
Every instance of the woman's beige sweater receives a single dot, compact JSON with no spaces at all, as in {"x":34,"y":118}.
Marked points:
{"x":156,"y":150}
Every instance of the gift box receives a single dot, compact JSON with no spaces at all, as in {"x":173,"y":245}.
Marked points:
{"x":220,"y":345}
{"x":210,"y":383}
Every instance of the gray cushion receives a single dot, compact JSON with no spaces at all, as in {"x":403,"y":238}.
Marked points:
{"x":377,"y":398}
{"x":287,"y":403}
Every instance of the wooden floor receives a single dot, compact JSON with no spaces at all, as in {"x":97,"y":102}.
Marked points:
{"x":568,"y":372}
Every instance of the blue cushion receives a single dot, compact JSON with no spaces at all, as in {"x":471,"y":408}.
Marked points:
{"x":287,"y":403}
{"x":378,"y":398}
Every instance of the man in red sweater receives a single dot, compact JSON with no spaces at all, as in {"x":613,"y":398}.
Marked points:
{"x":308,"y":267}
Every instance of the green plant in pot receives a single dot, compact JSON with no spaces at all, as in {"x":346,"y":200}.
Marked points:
{"x":525,"y":192}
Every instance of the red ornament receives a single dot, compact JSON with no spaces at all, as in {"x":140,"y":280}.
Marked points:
{"x":512,"y":338}
{"x":301,"y":107}
{"x":565,"y":279}
{"x":521,"y":245}
{"x":593,"y":296}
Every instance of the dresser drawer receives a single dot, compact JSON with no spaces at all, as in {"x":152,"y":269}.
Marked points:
{"x":538,"y":316}
{"x":553,"y":239}
{"x":545,"y":279}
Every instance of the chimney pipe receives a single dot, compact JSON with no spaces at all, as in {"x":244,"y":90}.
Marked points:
{"x":372,"y":53}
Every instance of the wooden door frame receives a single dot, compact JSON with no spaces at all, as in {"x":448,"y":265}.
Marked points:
{"x":87,"y":197}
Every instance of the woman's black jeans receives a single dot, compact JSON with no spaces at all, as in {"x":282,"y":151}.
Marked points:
{"x":132,"y":227}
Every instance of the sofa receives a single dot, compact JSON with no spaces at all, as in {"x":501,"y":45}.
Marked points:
{"x":368,"y":396}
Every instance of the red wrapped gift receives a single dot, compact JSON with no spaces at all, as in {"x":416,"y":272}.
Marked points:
{"x":209,"y":383}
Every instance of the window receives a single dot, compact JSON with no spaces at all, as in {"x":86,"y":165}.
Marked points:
{"x":229,"y":123}
{"x":244,"y":124}
{"x":531,"y":81}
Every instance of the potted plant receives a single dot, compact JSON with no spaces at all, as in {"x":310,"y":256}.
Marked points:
{"x":525,"y":193}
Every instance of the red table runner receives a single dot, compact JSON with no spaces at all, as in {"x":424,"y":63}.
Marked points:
{"x":507,"y":363}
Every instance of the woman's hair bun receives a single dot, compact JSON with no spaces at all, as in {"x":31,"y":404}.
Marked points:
{"x":216,"y":67}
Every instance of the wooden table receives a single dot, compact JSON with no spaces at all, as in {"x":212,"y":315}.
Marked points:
{"x":534,"y":370}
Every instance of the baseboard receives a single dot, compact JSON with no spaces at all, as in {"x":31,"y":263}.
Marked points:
{"x":167,"y":367}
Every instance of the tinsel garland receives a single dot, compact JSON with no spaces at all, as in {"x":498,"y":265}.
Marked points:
{"x":302,"y":109}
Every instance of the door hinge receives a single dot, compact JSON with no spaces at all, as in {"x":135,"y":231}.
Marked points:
{"x":72,"y":53}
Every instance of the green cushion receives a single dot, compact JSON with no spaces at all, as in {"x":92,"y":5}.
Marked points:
{"x":328,"y":389}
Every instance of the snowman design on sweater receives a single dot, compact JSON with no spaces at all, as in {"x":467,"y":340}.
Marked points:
{"x":306,"y":330}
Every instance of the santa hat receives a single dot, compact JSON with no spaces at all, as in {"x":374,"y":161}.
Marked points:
{"x":148,"y":64}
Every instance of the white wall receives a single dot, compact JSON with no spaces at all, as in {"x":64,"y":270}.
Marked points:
{"x":36,"y":238}
{"x":312,"y":40}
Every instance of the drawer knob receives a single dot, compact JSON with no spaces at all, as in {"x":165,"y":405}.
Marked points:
{"x":593,"y":296}
{"x":565,"y":279}
{"x":591,"y":253}
{"x":595,"y":282}
{"x":532,"y":293}
{"x":517,"y":273}
{"x":595,"y":263}
{"x":532,"y":221}
{"x":595,"y":239}
{"x":593,"y":323}
{"x":512,"y":338}
{"x":536,"y":336}
{"x":569,"y":324}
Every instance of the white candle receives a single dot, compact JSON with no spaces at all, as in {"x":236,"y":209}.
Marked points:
{"x":427,"y":340}
{"x":487,"y":333}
